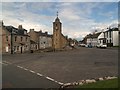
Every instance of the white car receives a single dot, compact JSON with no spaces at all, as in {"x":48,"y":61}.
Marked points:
{"x":101,"y":46}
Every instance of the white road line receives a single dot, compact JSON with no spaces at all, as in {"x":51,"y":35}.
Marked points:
{"x":60,"y":83}
{"x":3,"y":63}
{"x":25,"y":69}
{"x":32,"y":71}
{"x":50,"y":78}
{"x":54,"y":80}
{"x":20,"y":67}
{"x":39,"y":74}
{"x":7,"y":62}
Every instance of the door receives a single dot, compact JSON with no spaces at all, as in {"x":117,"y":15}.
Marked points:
{"x":21,"y":49}
{"x":7,"y":48}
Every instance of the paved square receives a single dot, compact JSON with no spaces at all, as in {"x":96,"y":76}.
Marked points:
{"x":70,"y":66}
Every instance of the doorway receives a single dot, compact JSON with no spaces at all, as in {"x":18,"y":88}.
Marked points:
{"x":21,"y":49}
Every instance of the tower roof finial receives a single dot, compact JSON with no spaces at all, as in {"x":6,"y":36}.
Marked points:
{"x":57,"y":13}
{"x":57,"y":19}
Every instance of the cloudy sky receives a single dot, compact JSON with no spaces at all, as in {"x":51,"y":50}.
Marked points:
{"x":78,"y":18}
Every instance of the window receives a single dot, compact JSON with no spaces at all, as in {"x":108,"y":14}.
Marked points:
{"x":21,"y":38}
{"x":15,"y":38}
{"x":110,"y":34}
{"x":6,"y":38}
{"x":26,"y":38}
{"x":36,"y":46}
{"x":107,"y":34}
{"x":26,"y":47}
{"x":17,"y":48}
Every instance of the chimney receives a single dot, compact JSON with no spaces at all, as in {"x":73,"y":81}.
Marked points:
{"x":40,"y":31}
{"x":46,"y":33}
{"x":31,"y":30}
{"x":20,"y":27}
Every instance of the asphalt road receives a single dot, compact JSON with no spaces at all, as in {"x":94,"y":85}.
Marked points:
{"x":14,"y":77}
{"x":62,"y":67}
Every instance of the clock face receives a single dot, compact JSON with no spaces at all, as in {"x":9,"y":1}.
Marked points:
{"x":56,"y":27}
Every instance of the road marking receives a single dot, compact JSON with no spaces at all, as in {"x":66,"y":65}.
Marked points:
{"x":39,"y":74}
{"x":32,"y":71}
{"x":20,"y":67}
{"x":25,"y":69}
{"x":54,"y":80}
{"x":61,"y":83}
{"x":7,"y":62}
{"x":50,"y":78}
{"x":3,"y":63}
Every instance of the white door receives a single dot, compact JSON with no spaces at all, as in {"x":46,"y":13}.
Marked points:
{"x":7,"y":49}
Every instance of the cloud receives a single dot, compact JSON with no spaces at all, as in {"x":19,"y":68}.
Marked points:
{"x":77,"y":18}
{"x":60,"y":0}
{"x":28,"y":19}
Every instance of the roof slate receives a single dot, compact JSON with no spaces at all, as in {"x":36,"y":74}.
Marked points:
{"x":16,"y":31}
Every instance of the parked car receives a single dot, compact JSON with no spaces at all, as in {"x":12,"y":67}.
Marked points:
{"x":88,"y":46}
{"x":82,"y":45}
{"x":101,"y":46}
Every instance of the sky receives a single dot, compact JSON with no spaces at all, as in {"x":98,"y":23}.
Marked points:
{"x":78,"y":18}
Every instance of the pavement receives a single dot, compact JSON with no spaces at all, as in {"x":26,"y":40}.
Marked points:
{"x":57,"y":68}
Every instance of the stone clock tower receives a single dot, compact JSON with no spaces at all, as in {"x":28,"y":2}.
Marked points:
{"x":59,"y":41}
{"x":57,"y":33}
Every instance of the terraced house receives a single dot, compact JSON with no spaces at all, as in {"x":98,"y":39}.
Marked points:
{"x":14,"y":40}
{"x":40,"y":40}
{"x":45,"y":40}
{"x":110,"y":37}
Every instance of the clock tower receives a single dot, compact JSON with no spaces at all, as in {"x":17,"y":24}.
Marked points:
{"x":57,"y":26}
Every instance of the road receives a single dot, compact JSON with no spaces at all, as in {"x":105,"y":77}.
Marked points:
{"x":15,"y":77}
{"x":57,"y":68}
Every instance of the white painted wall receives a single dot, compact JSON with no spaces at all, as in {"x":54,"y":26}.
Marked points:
{"x":115,"y":38}
{"x":100,"y":36}
{"x":93,"y":41}
{"x":45,"y":42}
